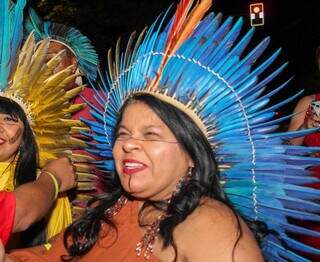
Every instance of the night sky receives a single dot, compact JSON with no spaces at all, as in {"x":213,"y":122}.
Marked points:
{"x":292,"y":25}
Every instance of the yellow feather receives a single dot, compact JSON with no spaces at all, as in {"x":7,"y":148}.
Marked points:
{"x":86,"y":177}
{"x":48,"y":98}
{"x":53,"y":81}
{"x":77,"y":130}
{"x":86,"y":186}
{"x":73,"y":123}
{"x":70,"y":79}
{"x":76,"y":107}
{"x":83,"y":168}
{"x":80,"y":158}
{"x":73,"y":92}
{"x":83,"y":197}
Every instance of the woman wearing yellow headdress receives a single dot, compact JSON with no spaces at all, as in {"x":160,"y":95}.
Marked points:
{"x":35,"y":111}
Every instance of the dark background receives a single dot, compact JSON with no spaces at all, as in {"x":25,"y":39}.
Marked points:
{"x":292,"y":25}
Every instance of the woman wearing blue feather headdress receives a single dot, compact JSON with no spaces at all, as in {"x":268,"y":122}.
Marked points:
{"x":189,"y":154}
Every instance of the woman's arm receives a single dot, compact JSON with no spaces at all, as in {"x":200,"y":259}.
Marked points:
{"x":33,"y":200}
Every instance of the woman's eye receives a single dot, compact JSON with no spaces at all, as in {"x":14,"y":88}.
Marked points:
{"x":122,"y":135}
{"x":10,"y":119}
{"x":151,"y":135}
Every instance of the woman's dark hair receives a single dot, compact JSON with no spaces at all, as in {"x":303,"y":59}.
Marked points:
{"x":26,"y":166}
{"x":204,"y":182}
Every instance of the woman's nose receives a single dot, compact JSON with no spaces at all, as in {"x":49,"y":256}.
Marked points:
{"x":131,"y":144}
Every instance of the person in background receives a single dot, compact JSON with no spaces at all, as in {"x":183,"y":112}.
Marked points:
{"x":78,"y":49}
{"x":81,"y":53}
{"x":306,"y":115}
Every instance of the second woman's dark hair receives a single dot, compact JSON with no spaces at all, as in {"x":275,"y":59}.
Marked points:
{"x":26,"y":166}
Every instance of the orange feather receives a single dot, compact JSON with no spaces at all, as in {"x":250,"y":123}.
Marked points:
{"x":185,"y":21}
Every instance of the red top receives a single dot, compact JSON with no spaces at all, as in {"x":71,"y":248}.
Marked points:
{"x":314,"y":138}
{"x":7,"y":213}
{"x":87,"y":94}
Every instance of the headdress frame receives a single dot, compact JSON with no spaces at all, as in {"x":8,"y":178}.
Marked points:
{"x":70,"y":37}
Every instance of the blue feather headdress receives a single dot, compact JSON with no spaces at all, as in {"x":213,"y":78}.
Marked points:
{"x":11,"y":34}
{"x":197,"y":65}
{"x":79,"y":44}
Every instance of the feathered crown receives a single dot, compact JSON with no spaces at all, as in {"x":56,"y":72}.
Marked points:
{"x":11,"y":33}
{"x":79,"y":44}
{"x":41,"y":93}
{"x":31,"y":81}
{"x":196,"y":64}
{"x":25,"y":106}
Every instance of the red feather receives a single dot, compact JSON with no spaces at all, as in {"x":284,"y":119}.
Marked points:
{"x":184,"y":23}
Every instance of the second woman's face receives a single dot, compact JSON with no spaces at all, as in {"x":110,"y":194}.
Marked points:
{"x":148,"y":158}
{"x":11,"y":131}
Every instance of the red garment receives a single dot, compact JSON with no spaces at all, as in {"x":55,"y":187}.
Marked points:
{"x":313,"y":140}
{"x":87,"y":93}
{"x":7,"y":213}
{"x":85,"y":96}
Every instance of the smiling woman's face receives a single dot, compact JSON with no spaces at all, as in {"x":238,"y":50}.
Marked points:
{"x":11,"y":131}
{"x":148,"y":158}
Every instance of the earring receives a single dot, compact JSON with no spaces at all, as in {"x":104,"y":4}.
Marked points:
{"x":183,"y":180}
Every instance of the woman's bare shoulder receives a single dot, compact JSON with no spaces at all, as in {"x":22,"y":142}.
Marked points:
{"x":304,"y":102}
{"x":214,"y":230}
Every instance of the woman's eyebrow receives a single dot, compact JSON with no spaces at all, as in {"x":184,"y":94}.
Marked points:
{"x":153,"y":126}
{"x":122,"y":126}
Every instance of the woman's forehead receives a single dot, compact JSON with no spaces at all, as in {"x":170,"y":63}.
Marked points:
{"x":139,"y":113}
{"x":4,"y":114}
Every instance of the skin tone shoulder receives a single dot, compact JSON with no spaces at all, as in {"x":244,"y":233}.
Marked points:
{"x":210,"y":233}
{"x":300,"y":121}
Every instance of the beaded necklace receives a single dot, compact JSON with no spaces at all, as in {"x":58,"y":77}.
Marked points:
{"x":149,"y":238}
{"x":147,"y":241}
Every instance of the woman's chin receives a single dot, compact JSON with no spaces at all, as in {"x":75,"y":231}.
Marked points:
{"x":136,"y":190}
{"x":6,"y":159}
